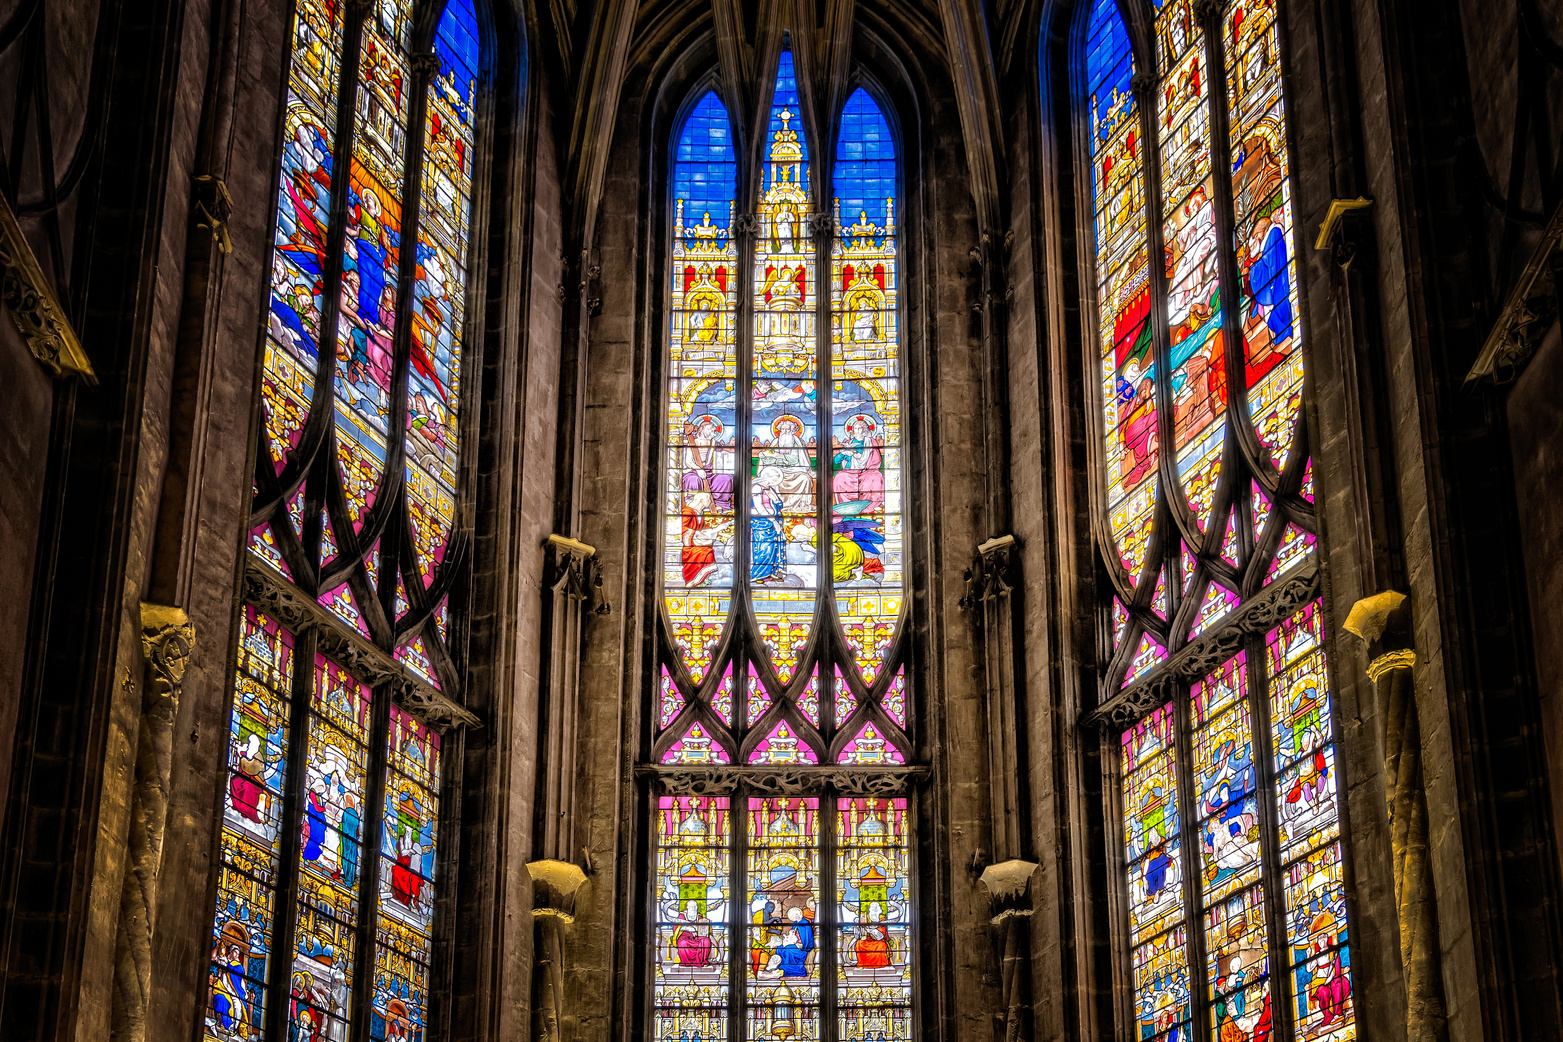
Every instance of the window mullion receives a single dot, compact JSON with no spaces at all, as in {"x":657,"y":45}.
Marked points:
{"x":748,"y":232}
{"x":392,"y":552}
{"x":321,"y":411}
{"x":738,"y":915}
{"x":828,"y":937}
{"x":1226,"y":232}
{"x":1270,"y":859}
{"x":369,"y":863}
{"x":285,"y":913}
{"x":1193,"y":910}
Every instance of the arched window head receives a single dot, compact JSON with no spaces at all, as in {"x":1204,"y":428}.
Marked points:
{"x":1228,"y":792}
{"x":324,"y":924}
{"x":783,"y":684}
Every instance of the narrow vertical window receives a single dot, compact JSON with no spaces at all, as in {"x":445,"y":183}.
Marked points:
{"x":1228,"y":779}
{"x":1123,"y":294}
{"x":783,"y":904}
{"x":244,"y":931}
{"x":325,"y":921}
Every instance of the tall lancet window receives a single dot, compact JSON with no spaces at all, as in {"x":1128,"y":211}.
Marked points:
{"x":781,"y":730}
{"x":1226,"y":783}
{"x":349,"y":663}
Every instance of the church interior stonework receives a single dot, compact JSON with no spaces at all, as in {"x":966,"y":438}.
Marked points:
{"x":423,"y":418}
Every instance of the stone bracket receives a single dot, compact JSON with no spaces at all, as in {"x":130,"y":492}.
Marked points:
{"x":1335,"y":218}
{"x":575,"y":570}
{"x":1529,"y":312}
{"x":31,"y":303}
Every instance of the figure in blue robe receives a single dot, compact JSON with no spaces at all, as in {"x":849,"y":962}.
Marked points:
{"x":315,"y":822}
{"x":768,"y":546}
{"x":1272,"y":285}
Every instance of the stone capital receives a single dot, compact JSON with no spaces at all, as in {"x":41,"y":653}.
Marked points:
{"x":1007,"y":884}
{"x":554,"y":887}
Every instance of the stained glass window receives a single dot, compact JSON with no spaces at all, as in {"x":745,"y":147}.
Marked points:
{"x":783,"y":914}
{"x":1236,"y":920}
{"x":355,"y":509}
{"x":362,"y":382}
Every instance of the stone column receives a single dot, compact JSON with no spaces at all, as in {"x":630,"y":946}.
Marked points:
{"x":572,"y":591}
{"x":554,"y":885}
{"x":1383,"y":623}
{"x":989,"y":598}
{"x":167,"y":639}
{"x":1008,"y":889}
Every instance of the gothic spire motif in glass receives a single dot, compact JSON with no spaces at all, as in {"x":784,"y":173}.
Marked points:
{"x":1237,"y":923}
{"x":784,"y":588}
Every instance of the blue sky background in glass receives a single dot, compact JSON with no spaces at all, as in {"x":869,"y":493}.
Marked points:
{"x":786,"y":97}
{"x":865,"y":161}
{"x":1109,"y":65}
{"x":705,"y":176}
{"x":456,"y":43}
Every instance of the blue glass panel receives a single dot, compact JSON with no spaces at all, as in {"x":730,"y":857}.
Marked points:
{"x":1109,"y":67}
{"x":705,"y":177}
{"x":865,"y":171}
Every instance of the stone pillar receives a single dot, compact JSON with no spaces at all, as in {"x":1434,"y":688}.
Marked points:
{"x":167,"y":639}
{"x":1008,"y":889}
{"x":989,"y":597}
{"x":572,"y":589}
{"x":554,"y":885}
{"x":1383,"y":623}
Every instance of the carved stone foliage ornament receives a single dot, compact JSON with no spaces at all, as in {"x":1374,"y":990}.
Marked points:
{"x":1263,"y":612}
{"x":1529,"y":312}
{"x":272,"y":594}
{"x":30,"y":302}
{"x":988,"y":575}
{"x":573,"y":569}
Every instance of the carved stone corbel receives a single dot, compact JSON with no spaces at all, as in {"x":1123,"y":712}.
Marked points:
{"x":1332,"y":230}
{"x":1008,"y":884}
{"x":1529,"y":312}
{"x":213,"y":206}
{"x":746,"y":226}
{"x":554,"y":887}
{"x":167,"y":639}
{"x":1383,"y":622}
{"x":30,"y":302}
{"x":425,"y":64}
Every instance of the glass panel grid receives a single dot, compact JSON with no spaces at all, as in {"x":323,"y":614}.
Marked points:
{"x":874,"y":953}
{"x":814,"y":427}
{"x":330,"y":858}
{"x":1234,"y":771}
